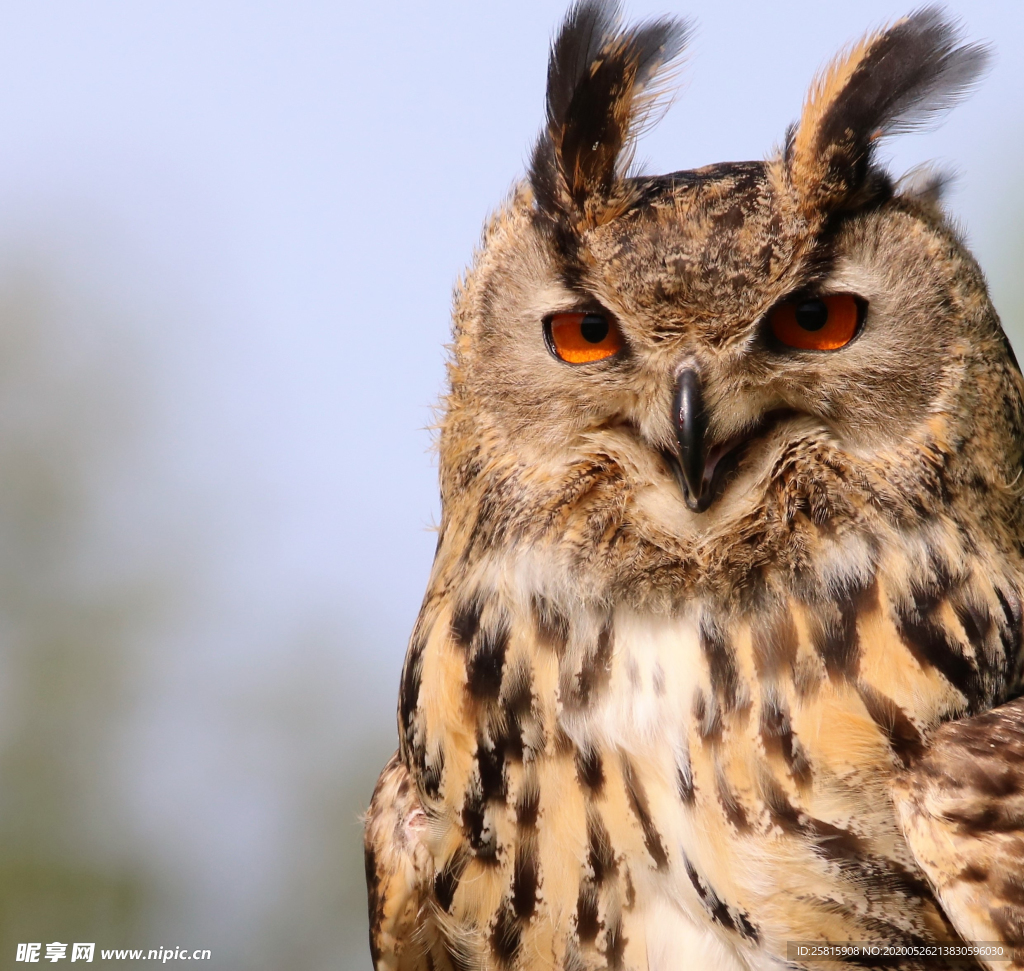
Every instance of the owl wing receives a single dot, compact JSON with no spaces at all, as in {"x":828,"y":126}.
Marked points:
{"x":399,"y":872}
{"x":962,"y":810}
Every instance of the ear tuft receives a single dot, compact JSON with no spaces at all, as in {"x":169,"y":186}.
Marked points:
{"x":890,"y":82}
{"x":603,"y":83}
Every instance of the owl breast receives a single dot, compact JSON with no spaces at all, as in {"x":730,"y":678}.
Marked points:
{"x":739,"y":768}
{"x":638,"y":736}
{"x":604,"y":781}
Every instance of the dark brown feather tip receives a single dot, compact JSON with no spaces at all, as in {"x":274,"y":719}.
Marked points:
{"x":914,"y":71}
{"x":891,"y":82}
{"x":603,"y":81}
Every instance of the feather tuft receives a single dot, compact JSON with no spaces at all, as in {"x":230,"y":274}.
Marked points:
{"x":604,"y":82}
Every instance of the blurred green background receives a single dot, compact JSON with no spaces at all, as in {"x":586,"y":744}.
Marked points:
{"x":228,"y":235}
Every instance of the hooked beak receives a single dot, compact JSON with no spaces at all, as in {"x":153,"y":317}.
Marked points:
{"x":702,"y":470}
{"x":691,"y":423}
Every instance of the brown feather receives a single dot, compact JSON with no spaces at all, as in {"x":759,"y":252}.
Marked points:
{"x":962,"y":809}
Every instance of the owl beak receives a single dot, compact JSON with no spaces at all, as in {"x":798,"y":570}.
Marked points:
{"x":691,"y":423}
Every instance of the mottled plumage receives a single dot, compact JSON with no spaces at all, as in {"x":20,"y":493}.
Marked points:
{"x":962,"y":809}
{"x":715,"y":617}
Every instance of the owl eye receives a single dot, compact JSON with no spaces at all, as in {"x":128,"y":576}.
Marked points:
{"x":817,"y":323}
{"x":579,"y":338}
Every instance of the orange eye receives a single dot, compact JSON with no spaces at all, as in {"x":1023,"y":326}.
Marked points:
{"x":580,"y":338}
{"x":817,"y":323}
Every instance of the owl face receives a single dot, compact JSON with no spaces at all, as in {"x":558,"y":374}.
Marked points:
{"x":701,"y":328}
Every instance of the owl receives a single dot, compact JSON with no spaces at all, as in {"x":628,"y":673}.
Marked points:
{"x":717,"y":661}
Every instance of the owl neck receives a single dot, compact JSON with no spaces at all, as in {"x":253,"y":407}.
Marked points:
{"x":894,"y":620}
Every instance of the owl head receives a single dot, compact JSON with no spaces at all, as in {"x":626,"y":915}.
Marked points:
{"x":660,"y":369}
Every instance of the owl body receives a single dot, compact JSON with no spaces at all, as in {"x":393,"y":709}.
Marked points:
{"x":731,"y":528}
